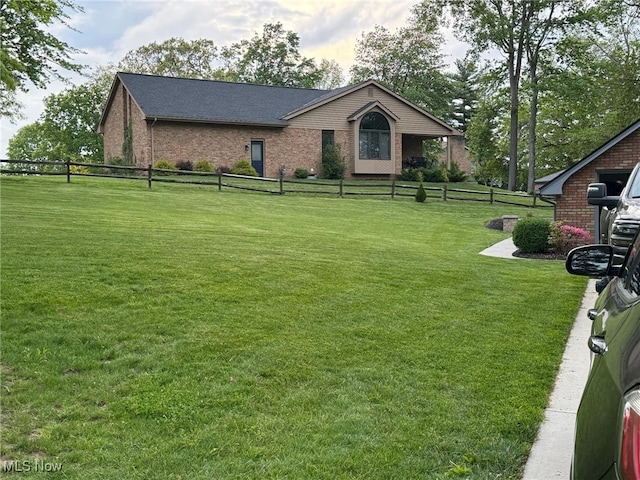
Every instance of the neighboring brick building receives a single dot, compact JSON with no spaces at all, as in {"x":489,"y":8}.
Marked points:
{"x":611,"y":164}
{"x":180,"y":119}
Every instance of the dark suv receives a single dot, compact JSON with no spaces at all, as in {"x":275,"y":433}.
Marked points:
{"x":620,"y":215}
{"x":607,"y":435}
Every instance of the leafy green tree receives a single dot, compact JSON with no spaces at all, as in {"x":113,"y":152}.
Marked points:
{"x":66,"y":129}
{"x":29,"y":52}
{"x":332,"y":75}
{"x":465,"y":92}
{"x":175,"y":57}
{"x":591,"y":92}
{"x":409,"y":62}
{"x":30,"y":143}
{"x":272,"y":58}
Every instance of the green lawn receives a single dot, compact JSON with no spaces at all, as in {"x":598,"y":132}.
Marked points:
{"x":186,"y":333}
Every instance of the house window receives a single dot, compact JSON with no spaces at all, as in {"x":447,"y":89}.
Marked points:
{"x":328,"y":138}
{"x":375,"y":137}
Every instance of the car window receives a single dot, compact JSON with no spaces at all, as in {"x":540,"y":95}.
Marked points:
{"x":634,"y":191}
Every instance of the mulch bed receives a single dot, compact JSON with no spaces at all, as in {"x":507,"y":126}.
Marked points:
{"x":540,"y":256}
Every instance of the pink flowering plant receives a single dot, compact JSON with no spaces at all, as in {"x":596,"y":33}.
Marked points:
{"x":563,"y":238}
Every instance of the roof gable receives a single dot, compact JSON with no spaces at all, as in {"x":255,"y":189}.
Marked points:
{"x":341,"y":92}
{"x":554,"y":187}
{"x":361,"y":112}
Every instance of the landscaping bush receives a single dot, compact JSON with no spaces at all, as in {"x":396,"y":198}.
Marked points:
{"x":164,"y":165}
{"x":119,"y":161}
{"x":421,"y":194}
{"x":531,"y":235}
{"x":301,"y":173}
{"x":563,"y":238}
{"x":243,"y":167}
{"x":333,"y":166}
{"x":223,"y":169}
{"x":455,"y":174}
{"x":185,"y":165}
{"x":204,"y":166}
{"x":437,"y":174}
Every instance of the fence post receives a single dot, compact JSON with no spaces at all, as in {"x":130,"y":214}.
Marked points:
{"x":393,"y":189}
{"x":341,"y":189}
{"x":149,"y":174}
{"x":219,"y":180}
{"x":444,"y":192}
{"x":68,"y":164}
{"x":491,"y":196}
{"x":534,"y":200}
{"x":281,"y":183}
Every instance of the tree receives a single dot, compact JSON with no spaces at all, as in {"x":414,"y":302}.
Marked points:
{"x":332,"y":75}
{"x":30,"y":143}
{"x":408,"y":61}
{"x":500,"y":24}
{"x":465,"y":94}
{"x":272,"y":59}
{"x":175,"y":57}
{"x":591,"y":92}
{"x":65,"y":130}
{"x":29,"y":52}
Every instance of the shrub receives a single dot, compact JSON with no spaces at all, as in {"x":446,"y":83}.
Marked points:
{"x":436,"y":174}
{"x":79,"y":169}
{"x":563,"y":238}
{"x":119,"y":161}
{"x":223,"y":169}
{"x":243,"y":167}
{"x":531,"y":235}
{"x":164,"y":165}
{"x":421,"y":194}
{"x":301,"y":173}
{"x":333,"y":166}
{"x":455,"y":174}
{"x":204,"y":166}
{"x":185,"y":165}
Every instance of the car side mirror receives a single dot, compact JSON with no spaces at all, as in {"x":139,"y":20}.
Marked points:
{"x":597,"y":195}
{"x":591,"y":261}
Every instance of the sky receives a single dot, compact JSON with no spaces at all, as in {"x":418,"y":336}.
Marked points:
{"x":107,"y":29}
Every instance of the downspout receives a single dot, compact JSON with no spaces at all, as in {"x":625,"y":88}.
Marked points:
{"x":153,"y":151}
{"x":555,"y":205}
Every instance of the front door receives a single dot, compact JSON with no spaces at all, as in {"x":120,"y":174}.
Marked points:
{"x":257,"y":156}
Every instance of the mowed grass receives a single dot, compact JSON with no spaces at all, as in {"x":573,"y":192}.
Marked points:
{"x":186,"y":333}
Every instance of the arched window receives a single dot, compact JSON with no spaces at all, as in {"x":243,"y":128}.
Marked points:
{"x":375,"y":137}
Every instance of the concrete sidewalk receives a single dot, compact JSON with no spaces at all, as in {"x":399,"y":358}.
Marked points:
{"x":552,"y":450}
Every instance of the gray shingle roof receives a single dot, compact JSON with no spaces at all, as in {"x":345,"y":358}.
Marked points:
{"x":215,"y":101}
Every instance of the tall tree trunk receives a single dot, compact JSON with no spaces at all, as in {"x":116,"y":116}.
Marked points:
{"x":533,"y":121}
{"x":514,"y":83}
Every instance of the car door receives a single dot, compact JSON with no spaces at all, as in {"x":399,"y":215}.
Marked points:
{"x":613,"y":337}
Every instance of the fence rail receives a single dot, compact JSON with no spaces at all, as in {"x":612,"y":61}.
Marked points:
{"x":276,"y":186}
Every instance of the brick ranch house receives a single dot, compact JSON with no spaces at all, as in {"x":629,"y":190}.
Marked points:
{"x":181,"y":119}
{"x":611,"y":163}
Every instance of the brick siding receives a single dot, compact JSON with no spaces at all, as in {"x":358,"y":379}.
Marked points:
{"x":572,"y":207}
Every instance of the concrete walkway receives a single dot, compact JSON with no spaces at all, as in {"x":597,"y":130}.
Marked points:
{"x":552,"y":450}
